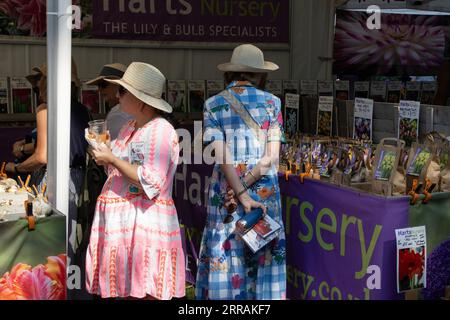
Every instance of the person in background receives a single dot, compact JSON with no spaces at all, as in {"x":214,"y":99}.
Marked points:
{"x":244,"y":126}
{"x":95,"y":174}
{"x":79,"y":118}
{"x":135,"y":248}
{"x":115,"y":118}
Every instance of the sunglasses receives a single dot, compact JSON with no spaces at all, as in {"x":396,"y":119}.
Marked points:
{"x":122,"y":91}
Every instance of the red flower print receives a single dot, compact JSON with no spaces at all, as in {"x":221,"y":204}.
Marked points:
{"x":226,"y":245}
{"x":237,"y":281}
{"x":411,"y":263}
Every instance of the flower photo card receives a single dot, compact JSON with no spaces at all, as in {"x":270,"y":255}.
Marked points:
{"x":291,"y":115}
{"x":408,"y":121}
{"x":342,"y":90}
{"x":90,"y":97}
{"x":394,"y":91}
{"x":214,"y":87}
{"x":22,"y":95}
{"x":413,"y":90}
{"x":3,"y":95}
{"x":378,"y":91}
{"x":325,"y":88}
{"x":308,"y":88}
{"x":428,"y":92}
{"x":411,"y":258}
{"x":362,"y":119}
{"x":325,"y":116}
{"x":176,"y":95}
{"x":197,"y":94}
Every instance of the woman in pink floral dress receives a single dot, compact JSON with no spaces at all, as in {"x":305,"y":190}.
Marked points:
{"x":135,"y":248}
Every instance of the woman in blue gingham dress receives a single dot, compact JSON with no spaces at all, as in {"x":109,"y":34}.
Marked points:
{"x":227,"y":268}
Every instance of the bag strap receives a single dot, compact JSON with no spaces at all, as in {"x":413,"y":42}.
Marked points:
{"x":240,"y":110}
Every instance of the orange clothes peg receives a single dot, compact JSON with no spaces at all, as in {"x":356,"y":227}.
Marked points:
{"x":426,"y":192}
{"x":412,"y":193}
{"x":307,"y":172}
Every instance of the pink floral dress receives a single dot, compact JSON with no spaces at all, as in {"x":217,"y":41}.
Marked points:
{"x":135,"y":247}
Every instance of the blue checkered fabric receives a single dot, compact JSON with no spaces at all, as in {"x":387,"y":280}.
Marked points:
{"x":227,"y":269}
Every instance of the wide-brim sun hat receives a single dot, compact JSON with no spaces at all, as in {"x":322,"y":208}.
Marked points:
{"x":146,"y":83}
{"x":248,"y":58}
{"x":42,"y":71}
{"x":109,"y":71}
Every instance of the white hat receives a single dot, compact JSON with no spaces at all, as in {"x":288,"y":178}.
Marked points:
{"x":248,"y":58}
{"x":146,"y":83}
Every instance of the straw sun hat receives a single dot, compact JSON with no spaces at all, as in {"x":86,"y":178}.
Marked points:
{"x":42,"y":70}
{"x":248,"y":58}
{"x":146,"y":83}
{"x":109,"y":71}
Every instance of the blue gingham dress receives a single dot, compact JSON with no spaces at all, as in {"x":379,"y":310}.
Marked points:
{"x":227,"y":268}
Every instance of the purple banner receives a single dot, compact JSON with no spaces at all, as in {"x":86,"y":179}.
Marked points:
{"x":340,"y":243}
{"x":192,"y":20}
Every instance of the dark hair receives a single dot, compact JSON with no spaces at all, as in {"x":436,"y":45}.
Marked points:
{"x":257,"y":79}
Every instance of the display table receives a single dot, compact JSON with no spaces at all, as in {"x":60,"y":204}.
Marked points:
{"x":340,"y":242}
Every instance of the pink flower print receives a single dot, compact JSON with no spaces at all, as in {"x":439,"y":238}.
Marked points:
{"x":271,"y":102}
{"x":237,"y":281}
{"x":265,"y":125}
{"x":280,"y":118}
{"x":262,"y":260}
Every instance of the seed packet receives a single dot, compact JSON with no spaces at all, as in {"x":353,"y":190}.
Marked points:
{"x":386,"y":161}
{"x":445,"y":172}
{"x":421,"y":158}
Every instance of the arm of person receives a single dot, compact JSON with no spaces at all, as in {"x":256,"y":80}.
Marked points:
{"x":39,"y":157}
{"x":264,"y":165}
{"x":223,"y":157}
{"x":104,"y":157}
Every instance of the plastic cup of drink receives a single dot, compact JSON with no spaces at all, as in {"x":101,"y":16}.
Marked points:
{"x":98,"y":130}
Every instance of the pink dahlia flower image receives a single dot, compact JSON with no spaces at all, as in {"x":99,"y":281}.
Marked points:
{"x":412,"y":44}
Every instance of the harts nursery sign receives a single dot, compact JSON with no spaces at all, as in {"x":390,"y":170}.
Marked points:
{"x":192,"y":20}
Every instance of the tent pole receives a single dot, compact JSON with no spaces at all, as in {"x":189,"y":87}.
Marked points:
{"x":59,"y":52}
